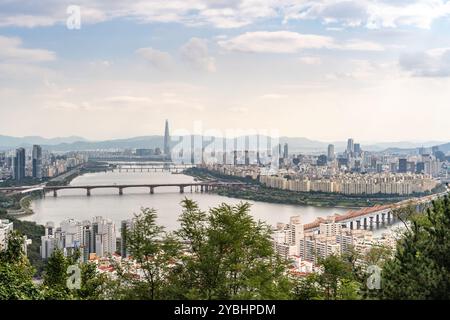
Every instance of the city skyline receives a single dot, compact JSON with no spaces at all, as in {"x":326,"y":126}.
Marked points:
{"x":326,"y":70}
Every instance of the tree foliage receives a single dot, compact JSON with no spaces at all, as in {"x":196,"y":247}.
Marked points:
{"x":155,"y":251}
{"x":420,"y":268}
{"x":230,"y":256}
{"x":16,"y":272}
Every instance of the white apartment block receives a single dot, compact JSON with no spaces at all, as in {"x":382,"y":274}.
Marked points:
{"x":5,"y":228}
{"x":352,"y":184}
{"x":97,"y":237}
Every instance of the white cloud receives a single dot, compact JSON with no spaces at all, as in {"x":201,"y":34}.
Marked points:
{"x":275,"y":42}
{"x":290,"y":42}
{"x":12,"y":50}
{"x":273,"y":96}
{"x":27,"y":21}
{"x":158,"y":59}
{"x":430,"y":63}
{"x":310,"y":60}
{"x":370,"y":13}
{"x":128,"y":99}
{"x":231,"y":13}
{"x":218,"y":13}
{"x":362,"y":45}
{"x":195,"y":52}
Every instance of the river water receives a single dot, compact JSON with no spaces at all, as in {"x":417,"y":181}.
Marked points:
{"x":166,"y":200}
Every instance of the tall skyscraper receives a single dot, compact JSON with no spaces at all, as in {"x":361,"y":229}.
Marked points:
{"x":286,"y":151}
{"x":19,"y":164}
{"x":357,"y":149}
{"x":331,"y":154}
{"x":350,"y":146}
{"x":37,"y":162}
{"x":167,"y":140}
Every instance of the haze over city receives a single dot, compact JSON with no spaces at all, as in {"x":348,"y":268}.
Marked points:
{"x":326,"y":70}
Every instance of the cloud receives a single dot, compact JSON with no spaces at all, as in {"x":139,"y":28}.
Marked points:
{"x":195,"y":52}
{"x":310,"y":60}
{"x":348,"y":13}
{"x":273,"y":96}
{"x":158,"y":59}
{"x":361,"y":45}
{"x":218,"y":13}
{"x":231,"y":13}
{"x":128,"y":99}
{"x":26,"y":21}
{"x":430,"y":63}
{"x":275,"y":42}
{"x":290,"y":42}
{"x":372,"y":14}
{"x":12,"y":50}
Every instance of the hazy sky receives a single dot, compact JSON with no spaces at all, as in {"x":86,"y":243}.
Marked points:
{"x":375,"y":70}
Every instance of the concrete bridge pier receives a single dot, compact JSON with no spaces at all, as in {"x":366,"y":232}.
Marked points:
{"x":152,"y":190}
{"x":120,"y":191}
{"x":181,"y":189}
{"x":383,"y":218}
{"x":377,"y":219}
{"x":55,"y":193}
{"x":358,"y":224}
{"x":351,"y":225}
{"x":201,"y":188}
{"x":389,"y":217}
{"x":88,"y":192}
{"x":365,"y":223}
{"x":371,"y":222}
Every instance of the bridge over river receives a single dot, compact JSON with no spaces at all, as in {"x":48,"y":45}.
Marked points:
{"x":381,"y":214}
{"x":203,"y":186}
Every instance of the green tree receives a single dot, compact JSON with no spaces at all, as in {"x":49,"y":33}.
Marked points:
{"x":16,"y":272}
{"x":92,"y":283}
{"x":334,"y":281}
{"x":155,"y":251}
{"x":420,"y":268}
{"x":55,"y":277}
{"x":230,"y":256}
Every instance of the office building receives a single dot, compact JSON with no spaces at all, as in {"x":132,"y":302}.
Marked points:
{"x":357,"y":149}
{"x":331,"y":154}
{"x":350,"y":146}
{"x":285,"y":151}
{"x":322,"y":160}
{"x":19,"y":165}
{"x":167,"y":140}
{"x":37,"y":162}
{"x":402,"y":165}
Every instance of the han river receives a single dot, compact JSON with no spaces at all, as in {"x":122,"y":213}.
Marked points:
{"x":166,"y":200}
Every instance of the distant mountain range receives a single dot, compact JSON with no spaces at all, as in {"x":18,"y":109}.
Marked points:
{"x":75,"y":143}
{"x":7,"y":142}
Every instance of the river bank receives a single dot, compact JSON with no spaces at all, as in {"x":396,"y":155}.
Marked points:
{"x":257,"y":192}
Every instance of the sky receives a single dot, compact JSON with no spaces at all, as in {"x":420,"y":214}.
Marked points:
{"x":374,"y":70}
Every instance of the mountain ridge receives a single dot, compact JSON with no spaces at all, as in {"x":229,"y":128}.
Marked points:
{"x":296,"y":144}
